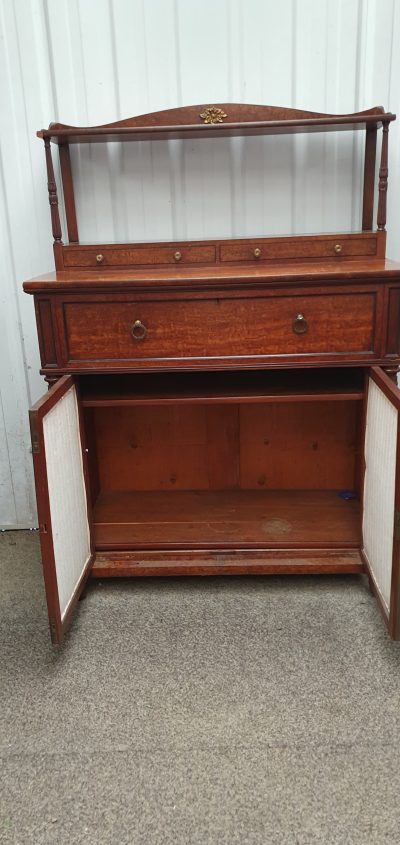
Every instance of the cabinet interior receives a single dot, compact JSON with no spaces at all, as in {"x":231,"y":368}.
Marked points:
{"x":225,"y":460}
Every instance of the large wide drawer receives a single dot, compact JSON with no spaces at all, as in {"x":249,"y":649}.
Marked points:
{"x":327,"y":324}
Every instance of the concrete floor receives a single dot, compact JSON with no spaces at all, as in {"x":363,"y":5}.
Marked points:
{"x":237,"y":711}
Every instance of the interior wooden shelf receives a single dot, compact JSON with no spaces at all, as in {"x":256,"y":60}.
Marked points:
{"x":234,"y":387}
{"x":226,"y":518}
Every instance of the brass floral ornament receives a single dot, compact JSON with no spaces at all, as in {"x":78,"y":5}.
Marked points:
{"x":213,"y":115}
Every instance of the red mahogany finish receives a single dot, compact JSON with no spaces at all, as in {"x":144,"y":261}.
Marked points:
{"x":230,"y":119}
{"x":222,"y":384}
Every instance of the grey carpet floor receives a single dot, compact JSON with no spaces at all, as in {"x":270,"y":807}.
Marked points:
{"x":237,"y":711}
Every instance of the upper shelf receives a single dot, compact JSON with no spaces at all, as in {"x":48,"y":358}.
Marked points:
{"x":220,"y":120}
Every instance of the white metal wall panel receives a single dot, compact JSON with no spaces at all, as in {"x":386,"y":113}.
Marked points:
{"x":93,"y":61}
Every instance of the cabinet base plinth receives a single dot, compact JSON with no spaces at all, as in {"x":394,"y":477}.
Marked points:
{"x":293,"y":562}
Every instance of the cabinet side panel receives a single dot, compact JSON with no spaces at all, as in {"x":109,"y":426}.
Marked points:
{"x":67,"y":496}
{"x":45,"y":332}
{"x":393,"y":330}
{"x":379,"y":488}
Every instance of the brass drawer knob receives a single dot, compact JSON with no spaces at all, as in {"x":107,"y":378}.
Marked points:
{"x":177,"y":255}
{"x":300,"y":325}
{"x":99,"y":258}
{"x":257,"y":252}
{"x":138,"y":330}
{"x":338,"y":248}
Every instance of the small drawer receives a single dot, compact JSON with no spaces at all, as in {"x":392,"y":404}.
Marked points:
{"x":138,"y":256}
{"x":125,"y":331}
{"x":300,"y":248}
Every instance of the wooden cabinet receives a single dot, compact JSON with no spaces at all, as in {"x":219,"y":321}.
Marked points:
{"x":218,"y":406}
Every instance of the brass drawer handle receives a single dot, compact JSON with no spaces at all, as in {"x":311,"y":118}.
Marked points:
{"x":99,"y":258}
{"x":138,"y":330}
{"x":338,"y":248}
{"x":177,"y":255}
{"x":257,"y":252}
{"x":300,"y":325}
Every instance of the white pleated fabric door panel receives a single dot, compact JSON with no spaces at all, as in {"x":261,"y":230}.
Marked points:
{"x":67,"y":495}
{"x":379,"y":488}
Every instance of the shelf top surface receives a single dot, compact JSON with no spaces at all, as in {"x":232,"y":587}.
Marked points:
{"x":217,"y":120}
{"x":215,"y":275}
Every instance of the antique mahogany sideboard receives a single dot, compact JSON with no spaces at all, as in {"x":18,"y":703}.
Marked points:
{"x":219,"y":406}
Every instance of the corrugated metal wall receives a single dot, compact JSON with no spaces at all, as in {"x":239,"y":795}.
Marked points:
{"x":93,"y":61}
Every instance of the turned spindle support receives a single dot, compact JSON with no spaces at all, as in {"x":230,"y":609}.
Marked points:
{"x":52,"y":189}
{"x":383,"y":179}
{"x":68,"y":192}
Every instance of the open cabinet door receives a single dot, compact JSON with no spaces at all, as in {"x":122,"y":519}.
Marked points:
{"x":381,"y":503}
{"x":61,"y":489}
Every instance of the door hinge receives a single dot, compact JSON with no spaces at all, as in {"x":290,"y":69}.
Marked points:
{"x":42,"y":528}
{"x":34,"y":434}
{"x":53,"y":631}
{"x":396,"y":525}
